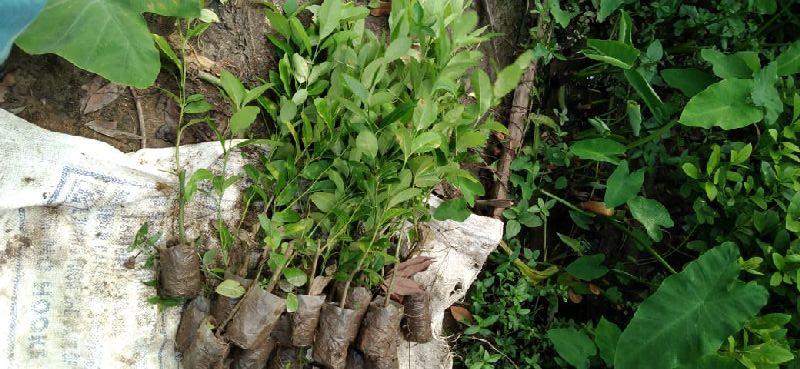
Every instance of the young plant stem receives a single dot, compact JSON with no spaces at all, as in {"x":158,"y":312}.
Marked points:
{"x":394,"y":276}
{"x":313,"y":273}
{"x":276,"y":276}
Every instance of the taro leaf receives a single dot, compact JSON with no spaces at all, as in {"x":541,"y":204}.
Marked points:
{"x":691,"y":314}
{"x":455,"y":209}
{"x":616,"y":53}
{"x":295,"y":276}
{"x":623,"y":185}
{"x":651,"y":214}
{"x":600,"y":149}
{"x":573,"y":346}
{"x":765,"y":94}
{"x":606,"y":336}
{"x":723,"y":104}
{"x":738,"y":65}
{"x":230,"y":288}
{"x":108,"y":37}
{"x":690,"y":81}
{"x":242,"y":119}
{"x":607,"y":7}
{"x":17,"y":14}
{"x":588,"y":267}
{"x":789,"y":60}
{"x":367,"y":143}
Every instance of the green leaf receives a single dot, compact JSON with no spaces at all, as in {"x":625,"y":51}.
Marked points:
{"x":324,"y":201}
{"x":483,"y":90}
{"x":300,"y":66}
{"x":403,"y":196}
{"x":107,"y":37}
{"x":607,"y":7}
{"x":573,"y":346}
{"x":634,"y":116}
{"x":647,"y":93}
{"x":427,"y":141}
{"x":292,"y":303}
{"x":651,"y":214}
{"x":455,"y":209}
{"x":367,"y":143}
{"x":623,"y":185}
{"x":600,"y":149}
{"x":508,"y":78}
{"x":789,"y":60}
{"x":616,"y":53}
{"x":793,"y":214}
{"x":232,"y":87}
{"x":299,"y":34}
{"x":724,"y":104}
{"x":562,"y":17}
{"x":201,"y":174}
{"x":279,"y":23}
{"x":625,"y":28}
{"x":691,"y":170}
{"x":295,"y":276}
{"x":358,"y":89}
{"x":165,"y":48}
{"x":242,"y":119}
{"x":286,"y":216}
{"x":739,"y":65}
{"x":766,"y":95}
{"x":397,"y":49}
{"x":329,"y":14}
{"x":470,"y":139}
{"x":588,"y":267}
{"x":691,"y":314}
{"x":606,"y":336}
{"x":690,"y":81}
{"x":230,"y":288}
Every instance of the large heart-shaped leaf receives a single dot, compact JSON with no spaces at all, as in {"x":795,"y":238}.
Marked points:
{"x":623,"y":185}
{"x":724,"y":104}
{"x":691,"y":313}
{"x":651,"y":214}
{"x":107,"y":37}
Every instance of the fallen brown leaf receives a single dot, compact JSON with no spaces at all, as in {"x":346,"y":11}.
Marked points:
{"x":109,"y":128}
{"x":594,"y":289}
{"x":597,"y":207}
{"x":574,"y":297}
{"x":98,"y":95}
{"x":461,"y":314}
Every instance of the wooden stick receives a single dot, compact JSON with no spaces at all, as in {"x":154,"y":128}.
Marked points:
{"x":140,"y":116}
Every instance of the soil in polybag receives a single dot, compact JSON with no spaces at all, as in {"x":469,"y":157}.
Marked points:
{"x":304,"y":321}
{"x":380,"y":331}
{"x":255,"y":358}
{"x":336,"y":331}
{"x":222,"y":306}
{"x":192,"y":316}
{"x":256,"y":317}
{"x":417,"y":325}
{"x":287,"y":358}
{"x":358,"y":299}
{"x":207,"y":351}
{"x":179,"y":271}
{"x":355,"y":359}
{"x":282,"y":333}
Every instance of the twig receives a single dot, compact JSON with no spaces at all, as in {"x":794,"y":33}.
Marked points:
{"x":140,"y":115}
